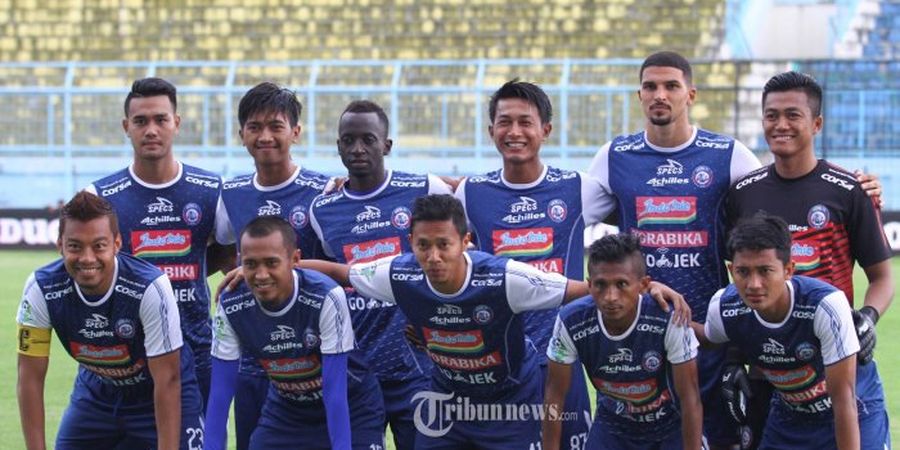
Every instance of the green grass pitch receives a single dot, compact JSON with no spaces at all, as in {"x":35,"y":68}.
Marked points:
{"x":16,"y":265}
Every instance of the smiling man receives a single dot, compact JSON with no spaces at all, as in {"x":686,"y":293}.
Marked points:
{"x":296,"y":323}
{"x":116,"y":315}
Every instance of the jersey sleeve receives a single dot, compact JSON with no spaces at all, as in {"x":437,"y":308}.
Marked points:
{"x":714,"y":328}
{"x":868,"y":242}
{"x":743,"y":161}
{"x":681,"y":343}
{"x":527,"y":288}
{"x":224,"y":229}
{"x":33,"y":308}
{"x":91,"y":189}
{"x":373,"y":279}
{"x":159,"y":316}
{"x":596,"y":201}
{"x":599,"y":168}
{"x":561,"y":348}
{"x":833,"y":325}
{"x":314,"y":224}
{"x":437,"y":186}
{"x":225,"y":343}
{"x":335,"y":329}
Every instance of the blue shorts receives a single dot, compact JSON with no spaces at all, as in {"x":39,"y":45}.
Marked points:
{"x":783,"y":431}
{"x":249,"y":398}
{"x":436,"y":431}
{"x":287,"y":425}
{"x":718,"y":426}
{"x":398,"y":408}
{"x":578,"y":404}
{"x":203,"y":369}
{"x":101,"y":416}
{"x":600,"y":438}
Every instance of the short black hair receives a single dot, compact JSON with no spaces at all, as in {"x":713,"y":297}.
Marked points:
{"x":268,"y":97}
{"x":524,"y":90}
{"x":368,"y":106}
{"x":796,"y":81}
{"x":617,"y":248}
{"x":151,"y":87}
{"x":85,"y":207}
{"x":263,"y":226}
{"x":438,"y":208}
{"x":668,"y":59}
{"x":760,"y":232}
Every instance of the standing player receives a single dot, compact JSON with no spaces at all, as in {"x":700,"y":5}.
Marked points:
{"x":369,"y":219}
{"x":269,"y":117}
{"x":116,"y":315}
{"x":670,"y":181}
{"x":296,"y":324}
{"x":833,"y":222}
{"x":167,"y":210}
{"x":799,"y":332}
{"x":633,"y":353}
{"x":536,"y":214}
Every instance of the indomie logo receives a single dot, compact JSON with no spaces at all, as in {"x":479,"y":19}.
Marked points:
{"x":98,"y":355}
{"x":525,"y":242}
{"x":789,"y":380}
{"x":805,"y":255}
{"x":371,"y":250}
{"x":159,"y":243}
{"x":665,"y":210}
{"x":634,"y":392}
{"x":454,"y":342}
{"x":292,"y":368}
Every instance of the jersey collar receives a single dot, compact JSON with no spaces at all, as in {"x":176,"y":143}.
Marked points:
{"x":112,"y":286}
{"x":522,"y":186}
{"x":278,"y":186}
{"x":156,"y":186}
{"x":672,"y":149}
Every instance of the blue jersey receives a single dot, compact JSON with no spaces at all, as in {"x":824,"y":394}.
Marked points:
{"x":631,"y":371}
{"x":361,"y":227}
{"x":289,"y":343}
{"x":792,"y":355}
{"x":475,"y":336}
{"x":540,"y":223}
{"x":110,"y":336}
{"x":674,"y":202}
{"x":170,"y":225}
{"x":243,"y":200}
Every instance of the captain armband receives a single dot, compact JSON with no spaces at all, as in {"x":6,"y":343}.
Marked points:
{"x":34,"y":341}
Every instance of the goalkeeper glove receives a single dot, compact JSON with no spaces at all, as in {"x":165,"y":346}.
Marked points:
{"x":864,"y":321}
{"x":736,"y":391}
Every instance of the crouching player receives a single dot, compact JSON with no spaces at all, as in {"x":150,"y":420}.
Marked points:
{"x":799,"y":331}
{"x":117,"y":316}
{"x":633,"y":353}
{"x":296,"y":323}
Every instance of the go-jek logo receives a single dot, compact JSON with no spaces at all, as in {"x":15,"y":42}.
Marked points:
{"x":665,"y":210}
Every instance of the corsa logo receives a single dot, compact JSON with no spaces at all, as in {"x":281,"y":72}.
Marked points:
{"x":636,"y":392}
{"x":160,"y":243}
{"x":665,"y":210}
{"x":99,"y":355}
{"x":292,"y":368}
{"x":805,"y":254}
{"x":454,"y":342}
{"x":789,"y":380}
{"x":524,"y":242}
{"x":371,"y":250}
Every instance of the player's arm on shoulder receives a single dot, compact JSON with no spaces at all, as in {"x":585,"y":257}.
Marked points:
{"x":372,"y":279}
{"x":528,"y":288}
{"x":224,"y":231}
{"x":871,"y":185}
{"x":442,"y":184}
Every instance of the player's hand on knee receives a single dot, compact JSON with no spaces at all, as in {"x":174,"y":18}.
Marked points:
{"x":736,"y":391}
{"x":230,"y":282}
{"x":864,"y":321}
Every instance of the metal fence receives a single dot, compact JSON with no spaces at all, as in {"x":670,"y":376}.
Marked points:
{"x":60,"y":123}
